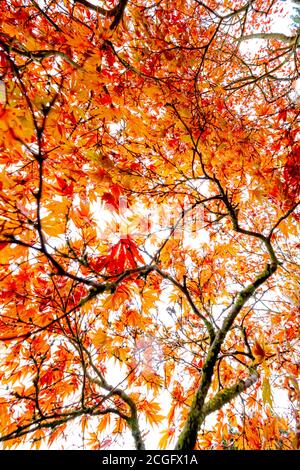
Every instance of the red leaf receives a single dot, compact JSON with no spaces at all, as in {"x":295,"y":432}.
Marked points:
{"x":65,"y":188}
{"x":105,"y":99}
{"x":110,"y":201}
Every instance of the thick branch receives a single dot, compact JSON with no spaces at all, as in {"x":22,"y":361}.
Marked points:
{"x":267,"y":36}
{"x":233,"y":214}
{"x":188,"y":437}
{"x":36,"y":55}
{"x":116,"y":12}
{"x":53,"y":421}
{"x":227,"y":394}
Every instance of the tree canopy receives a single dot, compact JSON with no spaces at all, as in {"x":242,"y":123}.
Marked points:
{"x":149,"y":214}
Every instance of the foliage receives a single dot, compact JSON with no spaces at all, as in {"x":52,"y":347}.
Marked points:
{"x":149,"y":214}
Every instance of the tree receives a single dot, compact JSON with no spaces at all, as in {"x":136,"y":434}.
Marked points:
{"x":149,"y":223}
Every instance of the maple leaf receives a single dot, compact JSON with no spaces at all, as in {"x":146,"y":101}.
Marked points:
{"x":123,"y":255}
{"x":64,"y":188}
{"x":258,"y":352}
{"x":166,"y":437}
{"x":110,"y":201}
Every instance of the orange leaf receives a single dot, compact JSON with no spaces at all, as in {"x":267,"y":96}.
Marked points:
{"x":258,"y":352}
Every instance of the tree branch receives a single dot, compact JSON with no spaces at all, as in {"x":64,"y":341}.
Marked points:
{"x":268,"y":36}
{"x":188,"y":437}
{"x":36,"y":5}
{"x":132,"y":420}
{"x":116,"y":12}
{"x":185,"y":291}
{"x":53,"y":421}
{"x":35,"y":55}
{"x":227,"y":394}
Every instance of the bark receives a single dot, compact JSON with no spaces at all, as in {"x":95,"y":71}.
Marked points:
{"x":188,"y":437}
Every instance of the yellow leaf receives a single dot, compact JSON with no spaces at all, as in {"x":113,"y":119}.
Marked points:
{"x":54,"y":227}
{"x":258,"y":352}
{"x":104,"y":423}
{"x":100,"y":338}
{"x":37,"y":439}
{"x":284,"y":227}
{"x":84,"y":421}
{"x":54,"y":223}
{"x":151,"y":410}
{"x":167,"y":437}
{"x":168,"y":370}
{"x":121,"y":353}
{"x":267,"y":392}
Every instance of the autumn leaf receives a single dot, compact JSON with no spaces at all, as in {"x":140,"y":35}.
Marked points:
{"x":151,"y":411}
{"x":101,"y":339}
{"x":166,"y":438}
{"x":266,"y":392}
{"x":258,"y":352}
{"x":110,"y":201}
